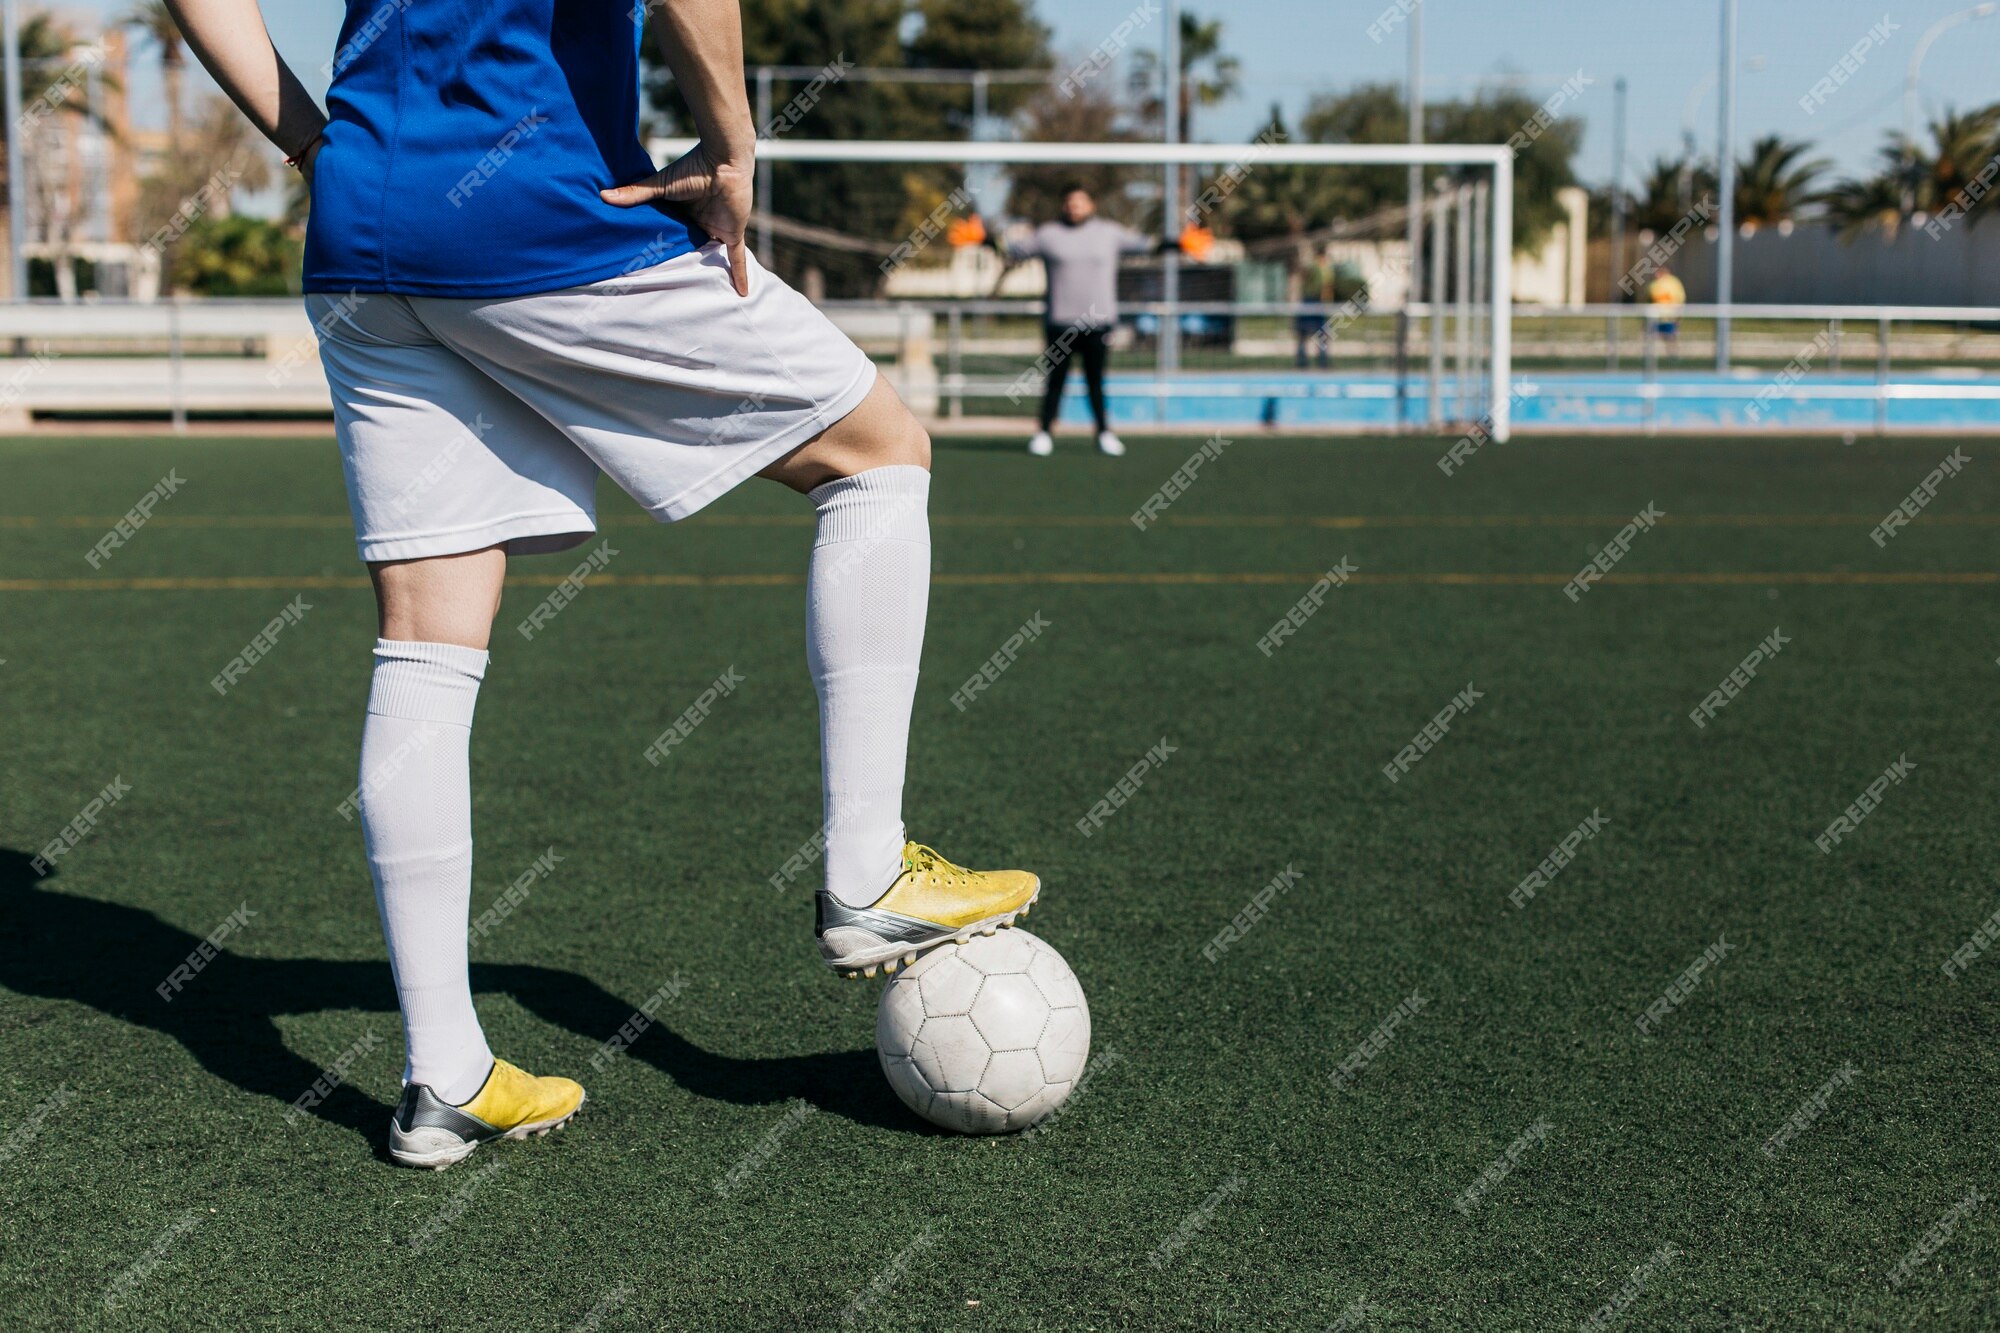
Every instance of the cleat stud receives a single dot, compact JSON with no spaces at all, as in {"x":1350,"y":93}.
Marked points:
{"x":868,"y":971}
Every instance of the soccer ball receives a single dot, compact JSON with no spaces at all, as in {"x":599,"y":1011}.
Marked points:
{"x":984,"y":1037}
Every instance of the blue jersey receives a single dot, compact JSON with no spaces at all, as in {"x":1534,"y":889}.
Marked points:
{"x":468,"y":141}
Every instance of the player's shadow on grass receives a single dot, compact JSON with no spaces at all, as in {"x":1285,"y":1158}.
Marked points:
{"x":111,"y":957}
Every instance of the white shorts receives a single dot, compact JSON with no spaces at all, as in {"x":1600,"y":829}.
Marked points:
{"x":469,"y":423}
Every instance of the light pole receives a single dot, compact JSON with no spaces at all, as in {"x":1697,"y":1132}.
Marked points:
{"x":1725,"y":161}
{"x":1170,"y":277}
{"x":1617,"y":208}
{"x":1929,"y":39}
{"x":17,"y":232}
{"x":1416,"y":90}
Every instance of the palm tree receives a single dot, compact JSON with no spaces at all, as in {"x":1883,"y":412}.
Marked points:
{"x":155,"y":22}
{"x":1773,"y":184}
{"x":1209,"y":75}
{"x":1671,"y":190}
{"x":1869,"y":203}
{"x":1915,"y":178}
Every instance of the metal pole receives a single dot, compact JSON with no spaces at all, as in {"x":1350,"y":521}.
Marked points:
{"x":1725,"y":159}
{"x":1463,"y":303}
{"x":765,"y":204}
{"x":1442,"y":232}
{"x":1482,"y":272}
{"x":1502,"y":413}
{"x":1618,"y":133}
{"x":17,"y":195}
{"x":1416,"y":92}
{"x":1170,"y":277}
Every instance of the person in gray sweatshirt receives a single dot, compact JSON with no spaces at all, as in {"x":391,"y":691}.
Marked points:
{"x":1081,"y":254}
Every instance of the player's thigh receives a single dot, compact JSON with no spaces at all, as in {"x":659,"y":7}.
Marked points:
{"x":881,"y":432}
{"x":440,"y":599}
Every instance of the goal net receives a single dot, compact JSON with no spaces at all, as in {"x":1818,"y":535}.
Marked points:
{"x":1283,"y":292}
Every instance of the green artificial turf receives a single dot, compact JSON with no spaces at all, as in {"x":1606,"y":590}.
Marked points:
{"x":145,"y":1149}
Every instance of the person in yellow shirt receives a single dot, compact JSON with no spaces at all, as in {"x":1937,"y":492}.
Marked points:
{"x":1667,"y":294}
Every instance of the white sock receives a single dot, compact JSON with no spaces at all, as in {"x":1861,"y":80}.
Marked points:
{"x":867,"y":593}
{"x":416,"y":812}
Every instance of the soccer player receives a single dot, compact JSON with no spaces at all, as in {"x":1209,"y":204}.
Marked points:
{"x":510,"y":299}
{"x":1080,"y":254}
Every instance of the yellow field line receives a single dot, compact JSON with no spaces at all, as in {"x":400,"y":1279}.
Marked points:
{"x":1073,"y":578}
{"x":1340,"y":521}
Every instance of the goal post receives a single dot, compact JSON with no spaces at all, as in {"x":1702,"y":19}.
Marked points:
{"x":1499,"y":159}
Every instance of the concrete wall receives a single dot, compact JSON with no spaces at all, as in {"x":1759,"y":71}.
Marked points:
{"x":1813,"y":266}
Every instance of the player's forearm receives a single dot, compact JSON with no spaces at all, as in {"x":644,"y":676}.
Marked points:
{"x":703,"y":42}
{"x":232,"y":43}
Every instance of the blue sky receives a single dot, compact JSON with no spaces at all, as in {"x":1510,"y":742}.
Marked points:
{"x":1292,"y":49}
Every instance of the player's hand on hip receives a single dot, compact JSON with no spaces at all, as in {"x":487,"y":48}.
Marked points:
{"x":716,"y":194}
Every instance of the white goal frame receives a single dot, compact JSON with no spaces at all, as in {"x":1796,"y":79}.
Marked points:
{"x":1498,"y":157}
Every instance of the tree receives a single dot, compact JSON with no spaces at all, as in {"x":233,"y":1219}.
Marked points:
{"x":877,"y":207}
{"x":1915,"y":178}
{"x":1773,"y":185}
{"x":1209,"y":75}
{"x":1377,"y":113}
{"x":1091,"y":115}
{"x":1673,"y":189}
{"x":235,"y":256}
{"x":155,"y":22}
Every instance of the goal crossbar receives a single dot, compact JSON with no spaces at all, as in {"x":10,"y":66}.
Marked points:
{"x":1497,"y":157}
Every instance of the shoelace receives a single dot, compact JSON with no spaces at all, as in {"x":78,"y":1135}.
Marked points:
{"x":928,"y":860}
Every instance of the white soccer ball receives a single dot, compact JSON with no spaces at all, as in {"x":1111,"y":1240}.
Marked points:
{"x":984,"y":1037}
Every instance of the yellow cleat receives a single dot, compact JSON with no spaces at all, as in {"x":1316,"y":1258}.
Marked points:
{"x":932,"y":902}
{"x":512,"y":1104}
